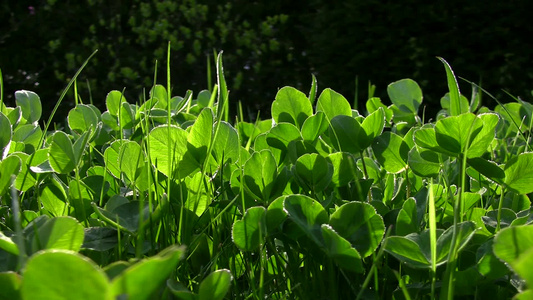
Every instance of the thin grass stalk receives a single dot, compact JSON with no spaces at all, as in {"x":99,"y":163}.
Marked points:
{"x":1,"y":92}
{"x":76,"y":100}
{"x":61,"y":97}
{"x":89,"y":91}
{"x":19,"y":238}
{"x":403,"y":288}
{"x":432,"y":238}
{"x":120,"y":114}
{"x":209,"y":75}
{"x":313,"y":90}
{"x":356,"y":97}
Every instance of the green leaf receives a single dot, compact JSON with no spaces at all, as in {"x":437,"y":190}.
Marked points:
{"x":340,"y":250}
{"x":373,"y":126}
{"x":180,"y":291}
{"x":426,"y":138}
{"x":249,"y":233}
{"x":61,"y":154}
{"x":281,"y":135}
{"x":346,"y":134}
{"x":25,"y":178}
{"x":8,"y":245}
{"x":510,"y":243}
{"x":127,"y":116}
{"x":333,"y":104}
{"x":64,"y":233}
{"x":55,"y":274}
{"x":260,"y":172}
{"x":488,"y":264}
{"x":142,"y":279}
{"x":313,"y":171}
{"x":100,"y":238}
{"x":80,"y":198}
{"x":215,"y":286}
{"x":523,"y":266}
{"x":487,"y":168}
{"x":79,"y":146}
{"x":161,"y":139}
{"x":463,"y":103}
{"x":525,"y":295}
{"x":424,"y":163}
{"x":10,"y":283}
{"x":391,"y":152}
{"x":131,"y":160}
{"x":484,"y":138}
{"x":365,"y":228}
{"x":198,"y":198}
{"x":506,"y":218}
{"x":291,"y":106}
{"x":514,"y":115}
{"x":201,"y":135}
{"x":374,"y":104}
{"x":275,"y":214}
{"x":314,"y":126}
{"x":123,"y":215}
{"x":159,"y":92}
{"x":465,"y":231}
{"x":456,"y":133}
{"x":406,"y":95}
{"x":453,"y":87}
{"x":10,"y":166}
{"x":519,"y":173}
{"x":30,"y":105}
{"x":407,"y":220}
{"x":407,"y":250}
{"x":82,"y":118}
{"x":114,"y":101}
{"x":414,"y":249}
{"x":28,"y":134}
{"x":111,"y":157}
{"x":344,"y":168}
{"x":514,"y":246}
{"x":203,"y":98}
{"x":308,"y":215}
{"x":226,"y":144}
{"x":40,"y":162}
{"x":5,"y":132}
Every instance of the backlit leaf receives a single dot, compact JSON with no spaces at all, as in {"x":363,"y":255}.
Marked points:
{"x":519,"y":173}
{"x":249,"y":233}
{"x":406,"y":95}
{"x":55,"y":274}
{"x":333,"y":104}
{"x":291,"y":106}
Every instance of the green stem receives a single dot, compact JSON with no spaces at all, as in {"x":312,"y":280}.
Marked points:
{"x":500,"y":205}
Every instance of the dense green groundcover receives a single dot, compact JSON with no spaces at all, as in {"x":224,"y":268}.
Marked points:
{"x":172,"y":199}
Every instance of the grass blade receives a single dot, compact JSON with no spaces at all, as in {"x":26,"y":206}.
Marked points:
{"x":453,"y":86}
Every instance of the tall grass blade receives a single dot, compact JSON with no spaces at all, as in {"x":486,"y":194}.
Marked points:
{"x":432,"y":238}
{"x":222,"y":107}
{"x":312,"y":92}
{"x":453,"y":87}
{"x":1,"y":92}
{"x":63,"y":96}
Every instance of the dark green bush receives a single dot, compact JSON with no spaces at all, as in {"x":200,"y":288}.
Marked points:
{"x":267,"y":45}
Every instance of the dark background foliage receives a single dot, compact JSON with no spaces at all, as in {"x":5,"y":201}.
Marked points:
{"x":267,"y":45}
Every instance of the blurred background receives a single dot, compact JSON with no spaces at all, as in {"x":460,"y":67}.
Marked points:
{"x":267,"y":45}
